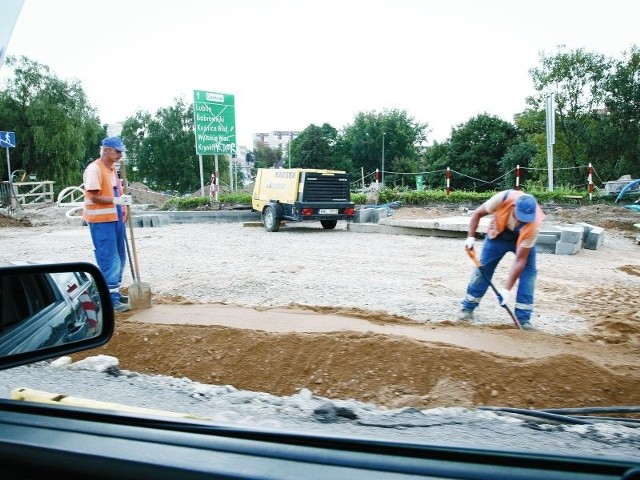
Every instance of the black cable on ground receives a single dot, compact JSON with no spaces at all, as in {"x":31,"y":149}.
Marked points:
{"x":587,"y":410}
{"x":540,"y":414}
{"x":560,"y":415}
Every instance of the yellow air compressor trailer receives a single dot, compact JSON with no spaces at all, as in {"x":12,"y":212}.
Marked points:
{"x":302,"y":195}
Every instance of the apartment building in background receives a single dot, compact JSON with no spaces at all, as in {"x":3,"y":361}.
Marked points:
{"x":276,"y":139}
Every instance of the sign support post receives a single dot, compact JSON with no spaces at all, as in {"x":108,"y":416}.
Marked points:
{"x":8,"y":140}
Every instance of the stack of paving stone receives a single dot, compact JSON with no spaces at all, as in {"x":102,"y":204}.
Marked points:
{"x":569,"y":239}
{"x":150,"y":220}
{"x":566,"y":239}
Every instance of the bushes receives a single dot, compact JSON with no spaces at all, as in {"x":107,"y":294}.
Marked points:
{"x":429,"y":197}
{"x":405,"y":196}
{"x":205,"y":202}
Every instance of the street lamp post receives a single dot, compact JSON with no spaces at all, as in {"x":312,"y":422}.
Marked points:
{"x":382,"y":182}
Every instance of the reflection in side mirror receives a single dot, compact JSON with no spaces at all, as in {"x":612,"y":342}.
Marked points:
{"x":48,"y":310}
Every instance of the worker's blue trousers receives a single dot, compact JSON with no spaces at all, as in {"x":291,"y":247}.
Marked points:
{"x":109,"y":248}
{"x":492,"y":252}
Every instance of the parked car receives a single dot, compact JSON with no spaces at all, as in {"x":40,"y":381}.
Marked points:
{"x":61,"y":441}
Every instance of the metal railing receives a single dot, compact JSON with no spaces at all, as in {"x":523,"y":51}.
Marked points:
{"x":26,"y":193}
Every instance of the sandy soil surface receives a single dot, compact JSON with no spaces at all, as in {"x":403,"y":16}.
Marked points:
{"x":370,"y":316}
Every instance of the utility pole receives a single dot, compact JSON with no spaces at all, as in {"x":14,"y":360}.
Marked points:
{"x":382,"y":183}
{"x":551,"y":136}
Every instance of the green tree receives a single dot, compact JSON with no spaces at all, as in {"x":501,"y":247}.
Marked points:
{"x":577,"y":78}
{"x":314,"y":147}
{"x":622,"y":101}
{"x":361,"y":143}
{"x":265,"y":156}
{"x":161,"y":148}
{"x":531,"y":123}
{"x":57,"y":130}
{"x":519,"y":155}
{"x":476,"y":150}
{"x":436,"y":160}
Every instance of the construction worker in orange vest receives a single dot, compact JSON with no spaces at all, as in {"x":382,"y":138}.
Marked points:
{"x":513,"y":228}
{"x":105,"y":213}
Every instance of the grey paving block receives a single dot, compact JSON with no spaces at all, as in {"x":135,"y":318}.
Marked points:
{"x":367,"y":215}
{"x":551,"y":230}
{"x":546,"y":248}
{"x":595,"y":238}
{"x":150,"y":220}
{"x":547,"y":239}
{"x":568,"y":248}
{"x":571,"y":233}
{"x":587,"y":227}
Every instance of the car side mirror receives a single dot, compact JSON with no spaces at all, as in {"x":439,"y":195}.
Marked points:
{"x":51,"y":310}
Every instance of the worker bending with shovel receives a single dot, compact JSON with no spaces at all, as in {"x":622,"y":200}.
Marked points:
{"x":104,"y":212}
{"x":513,"y":228}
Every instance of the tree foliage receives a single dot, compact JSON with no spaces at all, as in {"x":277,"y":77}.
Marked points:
{"x":161,"y":150}
{"x":576,"y":80}
{"x":475,"y":152}
{"x":57,"y":130}
{"x":265,"y":156}
{"x":622,"y":102}
{"x":314,"y":148}
{"x":361,"y":143}
{"x":597,"y":120}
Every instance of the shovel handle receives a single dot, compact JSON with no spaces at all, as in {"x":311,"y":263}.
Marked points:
{"x":472,"y":254}
{"x":123,"y":172}
{"x":474,"y":257}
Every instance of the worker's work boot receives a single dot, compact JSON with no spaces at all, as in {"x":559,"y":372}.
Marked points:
{"x":121,"y":307}
{"x":527,"y":326}
{"x":465,"y":315}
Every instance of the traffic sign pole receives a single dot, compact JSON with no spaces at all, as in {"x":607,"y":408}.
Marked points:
{"x":8,"y":140}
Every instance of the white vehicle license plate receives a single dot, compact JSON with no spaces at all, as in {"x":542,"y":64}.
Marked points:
{"x":328,"y":211}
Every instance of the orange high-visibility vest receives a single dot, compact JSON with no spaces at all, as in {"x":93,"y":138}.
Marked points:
{"x":501,"y":217}
{"x":102,"y":212}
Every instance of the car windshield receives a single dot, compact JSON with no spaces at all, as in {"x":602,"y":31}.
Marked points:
{"x":399,"y":244}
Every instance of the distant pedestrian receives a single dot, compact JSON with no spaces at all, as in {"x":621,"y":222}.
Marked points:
{"x":105,"y":213}
{"x":513,"y":228}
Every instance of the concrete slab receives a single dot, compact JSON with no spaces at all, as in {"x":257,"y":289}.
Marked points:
{"x":399,"y":230}
{"x":210,"y":216}
{"x":459,"y":224}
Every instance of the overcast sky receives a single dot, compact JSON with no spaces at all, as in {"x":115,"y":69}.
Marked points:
{"x":291,"y":63}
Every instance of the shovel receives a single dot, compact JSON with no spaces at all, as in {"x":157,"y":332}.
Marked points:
{"x":139,"y":292}
{"x":472,"y":254}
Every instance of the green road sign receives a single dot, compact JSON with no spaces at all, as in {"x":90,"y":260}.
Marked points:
{"x":215,"y":123}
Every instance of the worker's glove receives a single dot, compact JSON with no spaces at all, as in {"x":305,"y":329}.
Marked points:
{"x":503,"y":296}
{"x":122,"y":200}
{"x":468,"y":244}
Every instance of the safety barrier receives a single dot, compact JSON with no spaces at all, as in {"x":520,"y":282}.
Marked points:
{"x":26,"y":193}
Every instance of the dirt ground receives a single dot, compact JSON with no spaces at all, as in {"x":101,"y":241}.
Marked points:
{"x":600,"y":367}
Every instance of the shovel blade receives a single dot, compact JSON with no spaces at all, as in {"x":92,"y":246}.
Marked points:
{"x":140,"y":295}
